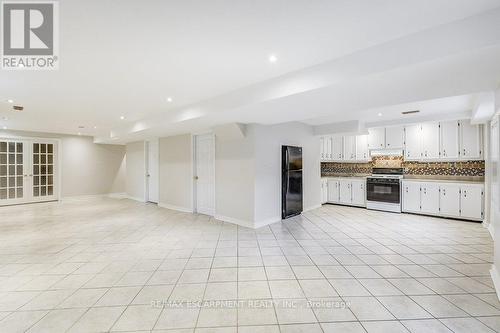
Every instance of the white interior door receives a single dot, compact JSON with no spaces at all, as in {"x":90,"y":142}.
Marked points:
{"x":28,"y":171}
{"x":205,"y":174}
{"x":152,"y":173}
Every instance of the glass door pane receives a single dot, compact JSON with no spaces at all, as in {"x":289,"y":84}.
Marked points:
{"x":11,"y":171}
{"x":43,"y":170}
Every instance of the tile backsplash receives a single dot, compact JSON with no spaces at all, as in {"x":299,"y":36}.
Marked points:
{"x":462,"y":168}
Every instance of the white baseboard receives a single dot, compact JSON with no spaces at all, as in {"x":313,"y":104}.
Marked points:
{"x":177,"y":208}
{"x":243,"y":223}
{"x":134,"y":198}
{"x":496,"y":279}
{"x":311,"y":208}
{"x":491,"y":229}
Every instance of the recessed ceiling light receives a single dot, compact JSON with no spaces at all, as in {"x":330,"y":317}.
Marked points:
{"x":10,"y":101}
{"x":122,"y":117}
{"x":273,"y":58}
{"x":79,"y":133}
{"x":379,"y":114}
{"x":169,"y":99}
{"x":95,"y":127}
{"x":5,"y":127}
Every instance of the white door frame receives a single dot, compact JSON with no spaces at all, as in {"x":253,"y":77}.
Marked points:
{"x":59,"y":155}
{"x":146,"y":169}
{"x":194,"y":171}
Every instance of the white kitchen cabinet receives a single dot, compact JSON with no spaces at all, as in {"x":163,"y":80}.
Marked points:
{"x":358,"y":192}
{"x":349,"y":148}
{"x":322,"y":148}
{"x":411,"y":197}
{"x":449,"y":200}
{"x":362,"y":153}
{"x":413,"y":142}
{"x":345,"y":191}
{"x":376,"y":138}
{"x":429,"y":198}
{"x":449,"y":140}
{"x":333,"y":191}
{"x":430,"y":141}
{"x":394,"y":137}
{"x":337,"y":148}
{"x":470,"y":141}
{"x":324,"y":191}
{"x":329,"y":148}
{"x":471,"y":202}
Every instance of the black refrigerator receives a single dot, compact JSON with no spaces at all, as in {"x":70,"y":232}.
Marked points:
{"x":291,"y":181}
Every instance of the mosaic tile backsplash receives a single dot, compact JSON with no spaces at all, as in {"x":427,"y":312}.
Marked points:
{"x":462,"y":168}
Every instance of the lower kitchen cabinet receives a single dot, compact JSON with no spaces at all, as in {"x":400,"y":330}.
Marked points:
{"x":347,"y":191}
{"x":449,"y":200}
{"x":456,"y":200}
{"x":333,"y":191}
{"x":471,"y":202}
{"x":429,"y":199}
{"x":324,"y":191}
{"x":411,"y":197}
{"x":358,"y":190}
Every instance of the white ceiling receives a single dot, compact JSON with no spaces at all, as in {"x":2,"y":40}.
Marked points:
{"x":211,"y":58}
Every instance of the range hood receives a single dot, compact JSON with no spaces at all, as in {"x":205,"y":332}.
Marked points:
{"x":386,"y":152}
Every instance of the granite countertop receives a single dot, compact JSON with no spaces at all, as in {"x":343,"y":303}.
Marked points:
{"x":445,"y":179}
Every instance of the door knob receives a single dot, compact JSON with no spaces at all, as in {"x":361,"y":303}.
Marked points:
{"x":195,"y":177}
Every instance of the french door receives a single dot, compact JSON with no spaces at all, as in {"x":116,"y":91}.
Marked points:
{"x":28,"y":171}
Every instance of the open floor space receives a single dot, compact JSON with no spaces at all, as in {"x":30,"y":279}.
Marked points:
{"x":97,"y":264}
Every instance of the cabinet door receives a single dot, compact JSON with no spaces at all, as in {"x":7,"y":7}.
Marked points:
{"x":429,"y":198}
{"x":328,"y":148}
{"x":345,"y":191}
{"x":470,"y":142}
{"x":362,"y":148}
{"x":430,"y":141}
{"x":322,"y":148}
{"x":394,"y":137}
{"x":358,"y":192}
{"x":449,"y":200}
{"x":333,"y":191}
{"x":376,"y":138}
{"x":411,"y":197}
{"x":349,"y":148}
{"x":324,"y":191}
{"x":337,"y":148}
{"x":449,"y":140}
{"x":413,"y":142}
{"x":471,"y":202}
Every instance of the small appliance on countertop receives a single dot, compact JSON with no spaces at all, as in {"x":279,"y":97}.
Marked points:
{"x":383,"y":189}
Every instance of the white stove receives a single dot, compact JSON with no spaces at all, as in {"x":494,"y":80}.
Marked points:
{"x":383,"y":189}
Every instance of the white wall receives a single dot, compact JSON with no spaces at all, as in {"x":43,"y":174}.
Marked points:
{"x":235,"y":179}
{"x":268,"y":142}
{"x":136,"y":170}
{"x":87,"y":168}
{"x":494,"y":184}
{"x":176,"y":173}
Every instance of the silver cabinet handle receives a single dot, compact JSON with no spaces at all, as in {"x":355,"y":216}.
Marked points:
{"x":464,"y":151}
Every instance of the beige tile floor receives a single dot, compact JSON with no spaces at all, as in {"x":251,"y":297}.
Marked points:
{"x":97,"y":265}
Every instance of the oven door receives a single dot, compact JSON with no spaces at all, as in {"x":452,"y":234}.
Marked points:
{"x":383,"y":190}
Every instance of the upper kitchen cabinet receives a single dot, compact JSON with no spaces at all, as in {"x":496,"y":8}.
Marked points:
{"x":470,"y":141}
{"x":376,"y":138}
{"x":322,"y":148}
{"x":449,"y":138}
{"x":394,"y":137}
{"x":430,"y":141}
{"x":362,"y":153}
{"x":349,"y":148}
{"x":337,"y":148}
{"x":413,"y":142}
